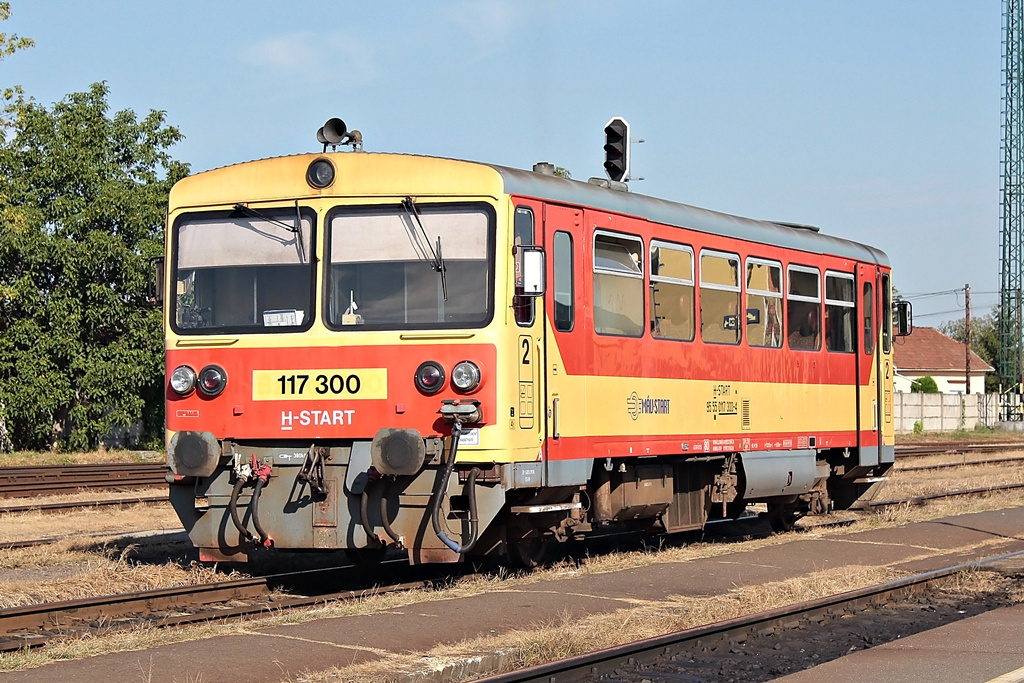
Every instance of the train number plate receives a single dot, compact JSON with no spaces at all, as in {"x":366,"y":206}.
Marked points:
{"x":316,"y":385}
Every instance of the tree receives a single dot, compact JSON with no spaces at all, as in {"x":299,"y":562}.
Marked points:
{"x":9,"y":44}
{"x":83,"y":198}
{"x":984,"y":341}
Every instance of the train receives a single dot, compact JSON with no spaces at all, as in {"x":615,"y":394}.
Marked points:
{"x":373,"y":352}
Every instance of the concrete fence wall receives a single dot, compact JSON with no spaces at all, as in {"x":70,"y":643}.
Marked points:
{"x":944,"y":412}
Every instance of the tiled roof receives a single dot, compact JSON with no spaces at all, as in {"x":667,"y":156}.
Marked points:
{"x":928,"y":349}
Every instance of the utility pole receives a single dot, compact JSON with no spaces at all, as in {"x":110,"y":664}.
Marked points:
{"x":967,"y":337}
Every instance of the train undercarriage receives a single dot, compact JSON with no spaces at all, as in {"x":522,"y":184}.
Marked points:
{"x":400,"y":492}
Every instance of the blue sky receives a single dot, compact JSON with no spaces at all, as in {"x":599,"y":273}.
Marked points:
{"x":878,"y":121}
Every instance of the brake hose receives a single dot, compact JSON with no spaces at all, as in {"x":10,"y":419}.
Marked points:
{"x":233,"y":508}
{"x":385,"y":522}
{"x":441,"y":485}
{"x":254,"y":506}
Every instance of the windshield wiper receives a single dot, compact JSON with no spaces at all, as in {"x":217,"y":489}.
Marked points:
{"x":436,"y":260}
{"x":294,"y":229}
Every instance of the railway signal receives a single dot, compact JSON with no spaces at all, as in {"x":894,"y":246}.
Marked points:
{"x":616,"y":149}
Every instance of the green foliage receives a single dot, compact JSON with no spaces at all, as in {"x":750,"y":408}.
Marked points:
{"x":83,"y":198}
{"x":924,"y":385}
{"x":9,"y":44}
{"x":984,"y":341}
{"x":918,"y":427}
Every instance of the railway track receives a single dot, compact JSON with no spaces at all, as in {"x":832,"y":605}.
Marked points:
{"x":62,"y":506}
{"x":35,"y":625}
{"x":48,"y":480}
{"x":700,"y":653}
{"x":956,"y":447}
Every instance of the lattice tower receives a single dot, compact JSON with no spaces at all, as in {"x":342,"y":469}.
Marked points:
{"x":1011,"y":260}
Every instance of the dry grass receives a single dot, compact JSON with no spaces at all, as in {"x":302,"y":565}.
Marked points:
{"x":104,"y":575}
{"x":573,"y":636}
{"x":959,"y":458}
{"x":85,"y":457}
{"x":981,"y":435}
{"x":88,"y":521}
{"x":907,"y":484}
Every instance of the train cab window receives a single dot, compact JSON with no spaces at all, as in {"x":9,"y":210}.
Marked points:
{"x":522,"y":306}
{"x":562,"y":282}
{"x":422,"y":266}
{"x":840,"y":303}
{"x":720,"y":322}
{"x":764,"y":303}
{"x":869,"y":319}
{"x":672,"y":300}
{"x":618,"y":285}
{"x":243,"y":271}
{"x":803,"y":308}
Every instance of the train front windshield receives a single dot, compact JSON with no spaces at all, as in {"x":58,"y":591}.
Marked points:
{"x":416,"y":266}
{"x":243,"y":271}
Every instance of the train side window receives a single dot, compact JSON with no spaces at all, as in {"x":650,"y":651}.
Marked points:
{"x":562,"y":285}
{"x":618,"y":285}
{"x":672,"y":301}
{"x":522,"y":306}
{"x":803,"y":308}
{"x":764,"y":303}
{"x":720,"y":322}
{"x":886,"y":315}
{"x":840,"y":306}
{"x":869,"y":319}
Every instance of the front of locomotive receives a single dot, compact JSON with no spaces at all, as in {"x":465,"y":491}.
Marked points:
{"x":333,"y":334}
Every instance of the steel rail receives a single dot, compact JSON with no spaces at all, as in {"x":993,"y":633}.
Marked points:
{"x":591,"y":665}
{"x":35,"y":625}
{"x":922,"y":450}
{"x":39,"y":480}
{"x":962,"y":463}
{"x":72,"y":504}
{"x":924,"y":498}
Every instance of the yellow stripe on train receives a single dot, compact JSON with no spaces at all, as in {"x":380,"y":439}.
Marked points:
{"x":312,"y":385}
{"x":631,"y":406}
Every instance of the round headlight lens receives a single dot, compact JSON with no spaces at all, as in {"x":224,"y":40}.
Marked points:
{"x":466,"y":376}
{"x":183,"y":380}
{"x":320,"y":173}
{"x":212,"y":380}
{"x":429,"y":377}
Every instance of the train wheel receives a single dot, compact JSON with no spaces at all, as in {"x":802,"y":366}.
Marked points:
{"x":782,"y":516}
{"x":525,"y":544}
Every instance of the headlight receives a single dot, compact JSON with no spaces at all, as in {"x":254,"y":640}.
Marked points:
{"x":183,"y":380}
{"x":466,"y":376}
{"x":429,"y":377}
{"x":320,"y":173}
{"x":212,"y":380}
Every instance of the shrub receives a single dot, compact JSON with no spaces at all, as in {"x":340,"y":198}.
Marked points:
{"x":924,"y":385}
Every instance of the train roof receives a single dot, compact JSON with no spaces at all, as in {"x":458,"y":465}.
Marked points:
{"x":789,"y":236}
{"x":439,"y":176}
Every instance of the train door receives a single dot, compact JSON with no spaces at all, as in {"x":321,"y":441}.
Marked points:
{"x":563,"y":350}
{"x":886,"y":370}
{"x":526,"y":418}
{"x":869,"y":368}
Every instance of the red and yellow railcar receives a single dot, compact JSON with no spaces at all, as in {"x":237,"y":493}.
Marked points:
{"x":371,"y":350}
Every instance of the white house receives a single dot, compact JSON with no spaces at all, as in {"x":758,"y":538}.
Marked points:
{"x":928,"y":352}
